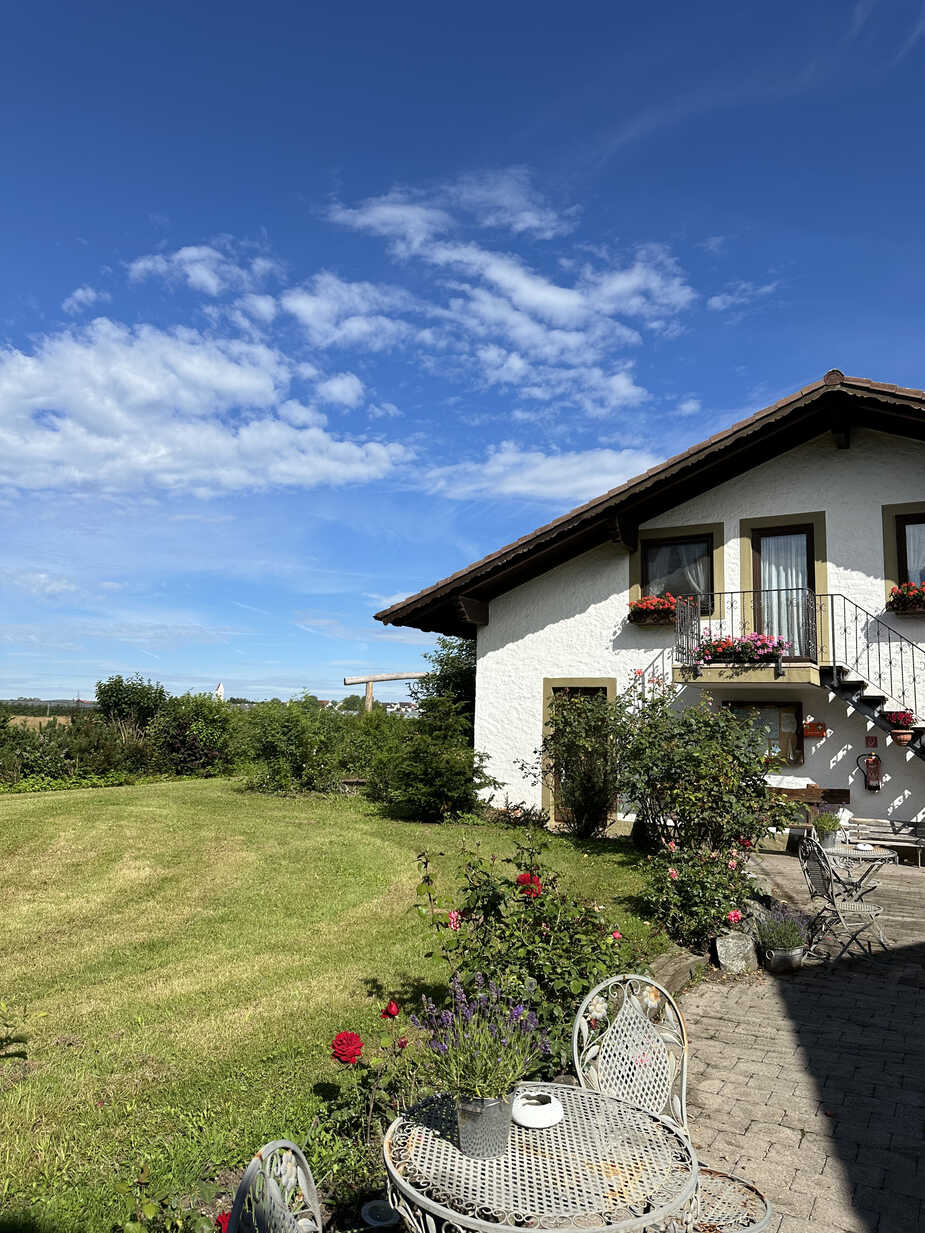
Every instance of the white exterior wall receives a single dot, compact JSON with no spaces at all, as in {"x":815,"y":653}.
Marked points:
{"x":572,"y":621}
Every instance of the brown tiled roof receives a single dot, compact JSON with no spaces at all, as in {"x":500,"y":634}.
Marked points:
{"x":835,"y":402}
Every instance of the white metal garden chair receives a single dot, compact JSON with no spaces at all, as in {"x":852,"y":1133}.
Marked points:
{"x":629,"y":1040}
{"x":277,"y":1193}
{"x":845,"y":918}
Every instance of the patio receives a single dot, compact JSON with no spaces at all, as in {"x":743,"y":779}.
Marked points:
{"x":814,"y":1085}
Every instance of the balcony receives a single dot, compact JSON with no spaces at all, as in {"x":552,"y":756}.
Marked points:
{"x":752,"y":637}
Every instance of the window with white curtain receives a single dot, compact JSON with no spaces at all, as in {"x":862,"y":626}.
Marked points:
{"x":682,"y":566}
{"x":911,"y":536}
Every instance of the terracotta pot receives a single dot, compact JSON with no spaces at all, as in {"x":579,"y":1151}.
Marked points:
{"x":901,"y":736}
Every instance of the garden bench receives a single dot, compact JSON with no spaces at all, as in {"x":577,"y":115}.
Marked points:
{"x":888,"y":834}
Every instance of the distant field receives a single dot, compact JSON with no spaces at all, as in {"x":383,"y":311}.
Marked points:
{"x":180,"y":955}
{"x":38,"y":721}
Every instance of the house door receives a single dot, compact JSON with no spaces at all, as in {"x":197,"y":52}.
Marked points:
{"x":559,"y":813}
{"x":784,"y":577}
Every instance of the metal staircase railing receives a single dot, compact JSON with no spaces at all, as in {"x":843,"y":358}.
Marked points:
{"x":867,"y":646}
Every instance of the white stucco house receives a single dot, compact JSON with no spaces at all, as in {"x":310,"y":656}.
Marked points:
{"x":796,"y":522}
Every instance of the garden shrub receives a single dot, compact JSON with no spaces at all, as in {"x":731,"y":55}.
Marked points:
{"x":691,"y":892}
{"x":431,"y":772}
{"x":511,"y":921}
{"x":129,"y":703}
{"x":192,"y":734}
{"x":697,"y":777}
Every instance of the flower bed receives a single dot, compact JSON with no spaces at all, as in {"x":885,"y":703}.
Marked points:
{"x":907,"y":599}
{"x":739,"y":649}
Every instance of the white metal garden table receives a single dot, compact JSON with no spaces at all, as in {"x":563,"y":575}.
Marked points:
{"x":606,"y":1166}
{"x":844,"y":856}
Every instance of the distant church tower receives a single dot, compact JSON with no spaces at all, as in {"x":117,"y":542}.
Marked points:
{"x":220,"y":692}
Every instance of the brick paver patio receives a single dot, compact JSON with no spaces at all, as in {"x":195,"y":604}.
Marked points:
{"x":813,"y":1086}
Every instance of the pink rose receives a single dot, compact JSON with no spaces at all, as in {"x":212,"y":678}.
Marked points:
{"x":616,"y":935}
{"x":672,"y":846}
{"x":733,"y":864}
{"x":673,"y":874}
{"x":734,"y":916}
{"x":453,"y":920}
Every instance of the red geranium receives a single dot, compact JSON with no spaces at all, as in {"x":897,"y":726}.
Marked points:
{"x":530,"y":885}
{"x":390,"y":1010}
{"x":346,"y":1047}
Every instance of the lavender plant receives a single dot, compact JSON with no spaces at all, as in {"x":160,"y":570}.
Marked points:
{"x":782,"y":928}
{"x":480,"y":1045}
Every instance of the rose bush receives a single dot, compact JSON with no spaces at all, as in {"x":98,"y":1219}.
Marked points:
{"x":695,"y":893}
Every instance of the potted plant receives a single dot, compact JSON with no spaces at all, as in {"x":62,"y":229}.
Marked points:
{"x":479,"y":1048}
{"x":901,"y":723}
{"x":782,"y":939}
{"x":907,"y":599}
{"x":739,"y":648}
{"x":827,"y":826}
{"x":653,"y":609}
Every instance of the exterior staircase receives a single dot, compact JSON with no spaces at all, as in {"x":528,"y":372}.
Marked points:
{"x":873,"y":706}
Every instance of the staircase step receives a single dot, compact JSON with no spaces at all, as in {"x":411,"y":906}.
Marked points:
{"x":850,"y":685}
{"x":874,"y":701}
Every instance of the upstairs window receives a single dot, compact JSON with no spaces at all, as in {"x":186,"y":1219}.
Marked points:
{"x":679,"y":566}
{"x":910,"y":546}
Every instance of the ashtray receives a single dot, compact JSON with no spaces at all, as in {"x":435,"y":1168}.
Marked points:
{"x":536,"y":1110}
{"x":378,"y":1214}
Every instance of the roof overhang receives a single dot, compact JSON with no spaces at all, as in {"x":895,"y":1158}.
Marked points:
{"x":836,"y":404}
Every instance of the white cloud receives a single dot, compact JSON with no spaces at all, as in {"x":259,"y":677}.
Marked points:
{"x":38,"y":583}
{"x":84,"y":297}
{"x":515,"y":472}
{"x":650,"y":286}
{"x":738,"y":294}
{"x":344,"y":389}
{"x":205,"y":268}
{"x":507,"y":198}
{"x":122,"y":409}
{"x":350,"y":314}
{"x":397,"y":217}
{"x":260,"y":307}
{"x":689,"y":406}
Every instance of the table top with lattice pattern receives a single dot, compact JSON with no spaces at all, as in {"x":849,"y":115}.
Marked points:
{"x":851,"y":852}
{"x":606,"y":1165}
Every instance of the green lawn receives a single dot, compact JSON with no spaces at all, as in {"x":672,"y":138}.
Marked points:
{"x":180,"y":955}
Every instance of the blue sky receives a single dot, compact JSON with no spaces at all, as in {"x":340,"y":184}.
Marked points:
{"x":304,"y":309}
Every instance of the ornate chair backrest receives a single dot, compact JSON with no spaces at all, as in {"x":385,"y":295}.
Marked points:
{"x":629,"y":1040}
{"x":817,"y":871}
{"x":277,"y":1194}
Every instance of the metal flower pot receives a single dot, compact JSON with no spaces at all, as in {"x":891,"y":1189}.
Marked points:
{"x":484,"y":1125}
{"x":827,"y":840}
{"x":784,"y":960}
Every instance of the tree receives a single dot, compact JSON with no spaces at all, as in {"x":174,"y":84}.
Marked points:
{"x":129,"y":703}
{"x":192,"y":734}
{"x":452,"y":674}
{"x":352,"y":703}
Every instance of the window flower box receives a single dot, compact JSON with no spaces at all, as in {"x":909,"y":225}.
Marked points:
{"x":908,"y":599}
{"x":744,"y":649}
{"x":653,"y":610}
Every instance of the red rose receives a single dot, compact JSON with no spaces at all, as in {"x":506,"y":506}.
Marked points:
{"x":221,"y":1221}
{"x":390,"y":1010}
{"x":346,"y":1047}
{"x":402,"y":1042}
{"x":530,"y":885}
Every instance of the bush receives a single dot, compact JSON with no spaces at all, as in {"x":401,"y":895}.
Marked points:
{"x":192,"y":734}
{"x":431,"y":772}
{"x":691,"y":892}
{"x":580,"y":760}
{"x":129,"y":703}
{"x":511,"y":922}
{"x":697,"y":776}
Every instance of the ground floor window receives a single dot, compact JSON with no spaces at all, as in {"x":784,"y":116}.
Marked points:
{"x":782,"y":722}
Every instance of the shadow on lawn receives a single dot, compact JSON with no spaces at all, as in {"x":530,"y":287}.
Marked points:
{"x":407,"y":991}
{"x":861,"y":1028}
{"x":24,"y":1222}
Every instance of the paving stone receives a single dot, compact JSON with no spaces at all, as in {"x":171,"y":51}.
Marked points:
{"x":777,"y":1056}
